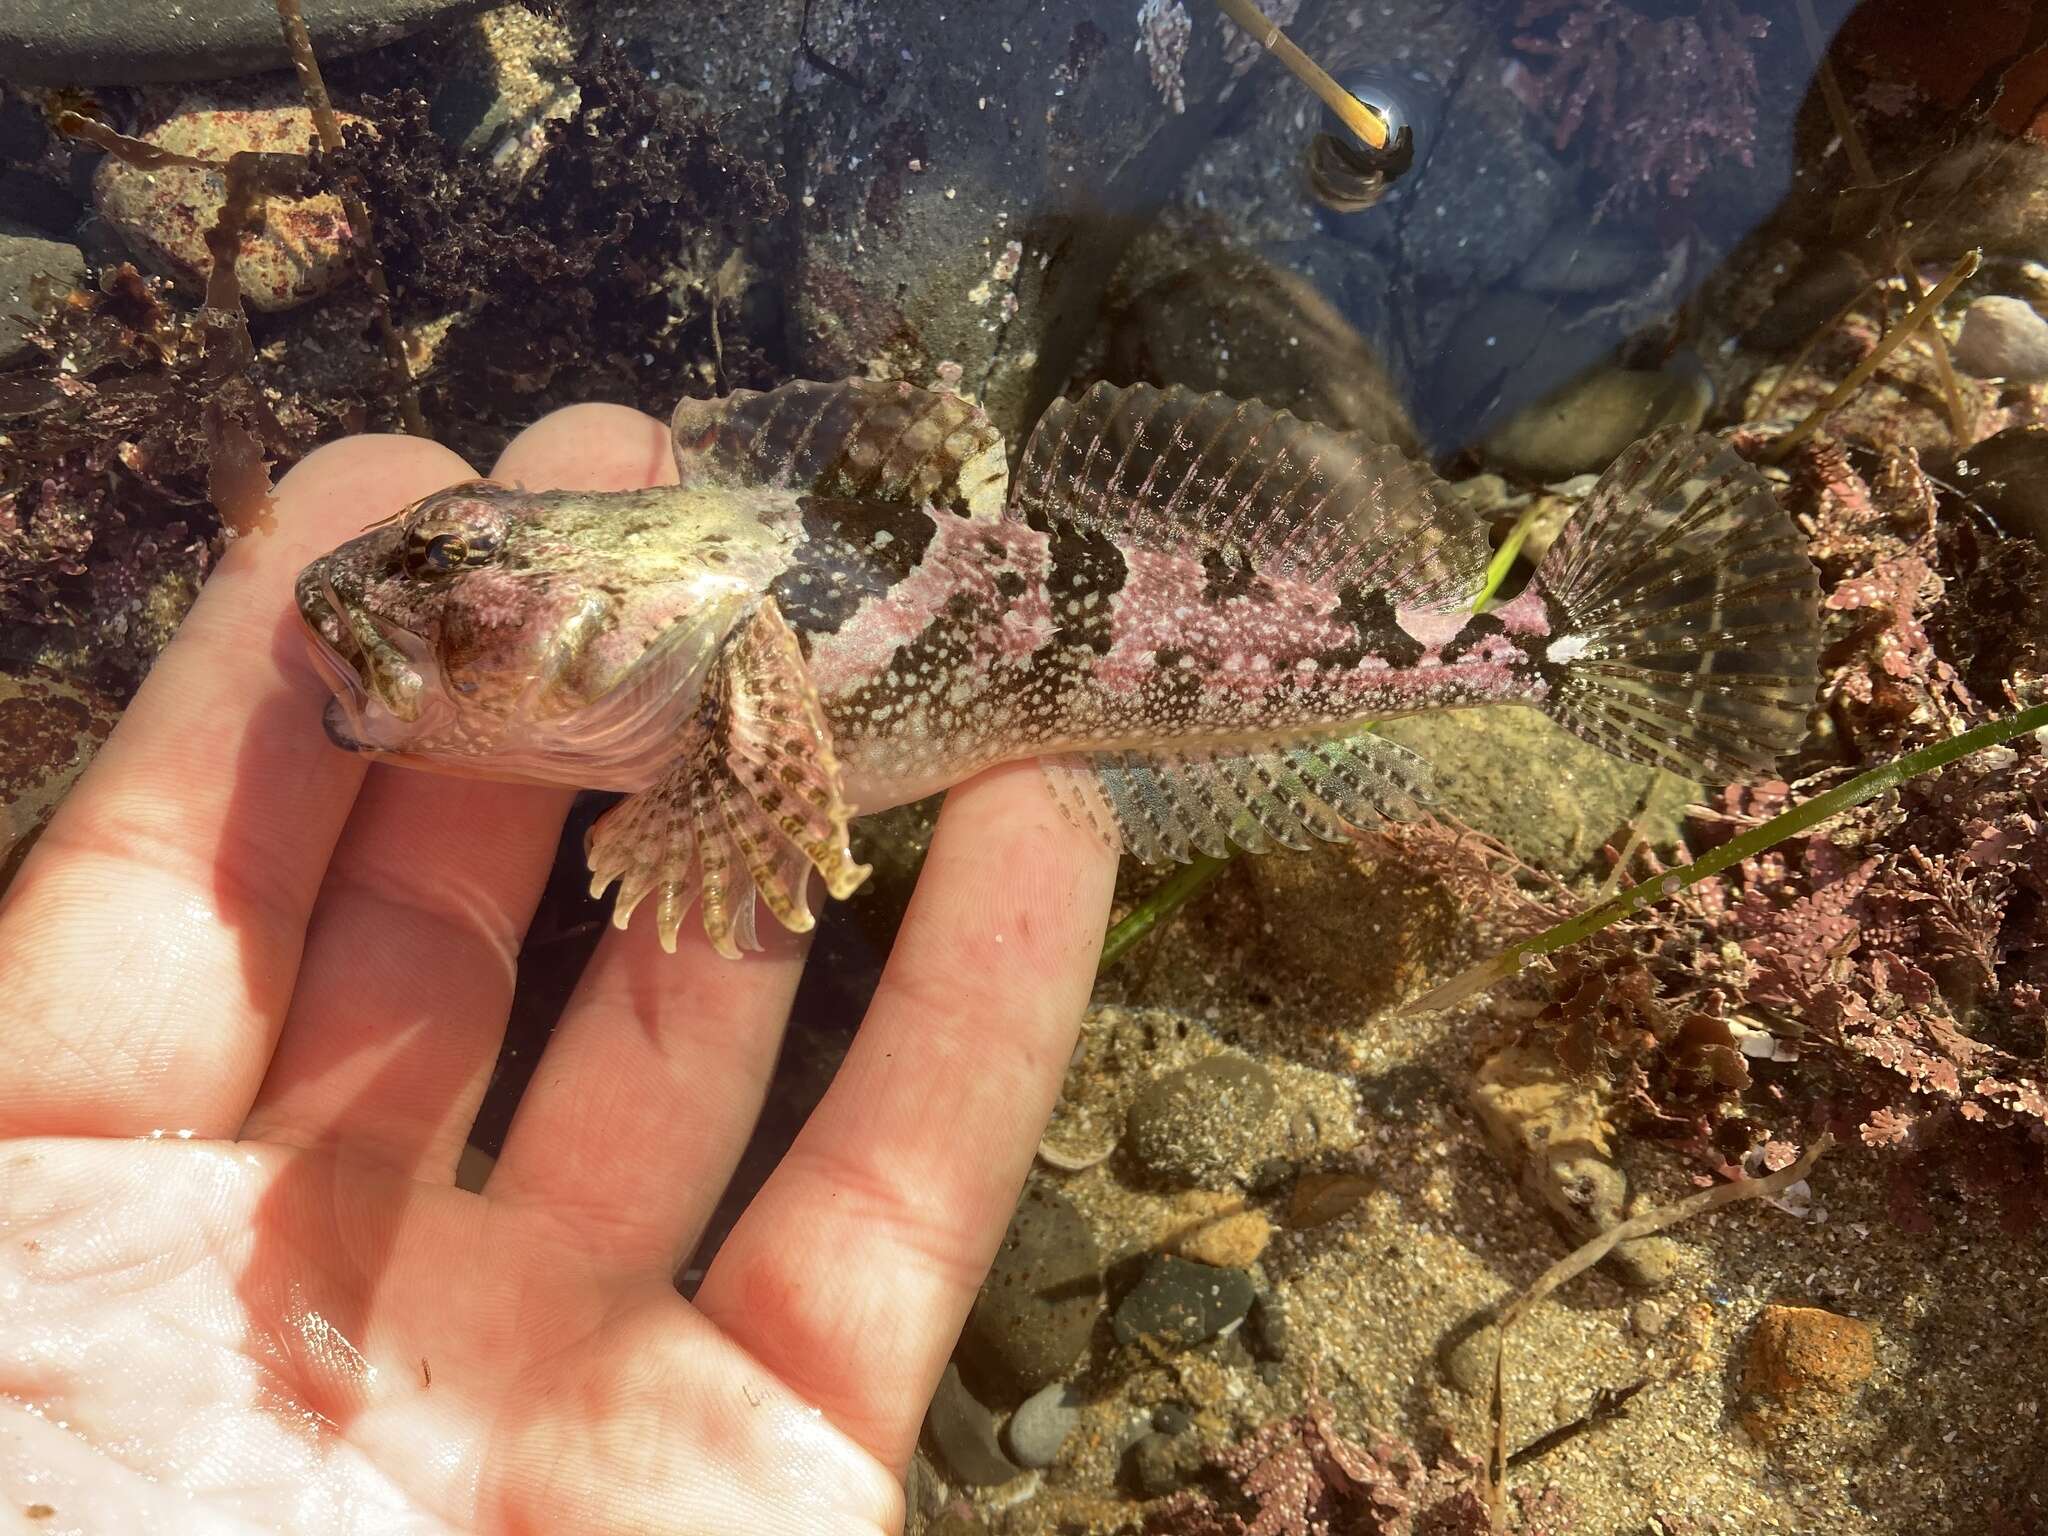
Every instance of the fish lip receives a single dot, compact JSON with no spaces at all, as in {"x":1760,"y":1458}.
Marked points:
{"x":337,"y":720}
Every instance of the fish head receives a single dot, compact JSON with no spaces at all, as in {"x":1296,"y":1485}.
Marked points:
{"x":542,"y":637}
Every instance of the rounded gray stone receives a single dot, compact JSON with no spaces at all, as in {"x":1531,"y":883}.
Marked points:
{"x":1179,"y":1303}
{"x":963,"y":1433}
{"x":136,"y":42}
{"x":1039,"y":1427}
{"x":2003,"y":338}
{"x":1040,"y":1301}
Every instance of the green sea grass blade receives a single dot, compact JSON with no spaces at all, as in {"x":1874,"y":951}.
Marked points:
{"x":1166,"y":898}
{"x":1808,"y":813}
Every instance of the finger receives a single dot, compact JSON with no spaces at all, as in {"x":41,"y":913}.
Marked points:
{"x":646,"y":1095}
{"x":412,"y":953}
{"x":852,"y":1271}
{"x":153,"y":937}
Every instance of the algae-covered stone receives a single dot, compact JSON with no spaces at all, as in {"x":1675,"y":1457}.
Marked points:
{"x":965,"y":184}
{"x":1583,"y":426}
{"x":1202,"y":1124}
{"x":1368,"y":923}
{"x":1040,"y":1300}
{"x":299,"y":249}
{"x":49,"y":731}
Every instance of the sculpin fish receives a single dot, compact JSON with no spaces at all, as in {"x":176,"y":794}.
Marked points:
{"x":1188,"y":608}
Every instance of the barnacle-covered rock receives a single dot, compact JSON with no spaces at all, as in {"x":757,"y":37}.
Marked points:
{"x":298,"y":251}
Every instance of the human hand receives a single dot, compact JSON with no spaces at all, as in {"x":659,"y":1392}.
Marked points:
{"x":253,"y":994}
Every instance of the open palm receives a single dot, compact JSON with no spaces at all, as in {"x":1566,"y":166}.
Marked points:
{"x":252,"y":998}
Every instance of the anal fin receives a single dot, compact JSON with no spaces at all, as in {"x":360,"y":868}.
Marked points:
{"x":749,"y":806}
{"x":1166,"y":807}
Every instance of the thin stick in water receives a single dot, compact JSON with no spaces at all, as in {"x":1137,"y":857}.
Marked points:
{"x":1914,"y":318}
{"x":1370,"y":127}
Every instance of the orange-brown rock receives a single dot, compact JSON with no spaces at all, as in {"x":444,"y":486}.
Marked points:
{"x":1804,"y":1364}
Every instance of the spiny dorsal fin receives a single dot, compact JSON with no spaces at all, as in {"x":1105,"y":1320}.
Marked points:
{"x":858,"y":438}
{"x":1164,"y":469}
{"x":1167,"y":806}
{"x":1691,"y":631}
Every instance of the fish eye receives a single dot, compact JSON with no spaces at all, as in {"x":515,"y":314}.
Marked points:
{"x":445,"y":551}
{"x":437,"y":554}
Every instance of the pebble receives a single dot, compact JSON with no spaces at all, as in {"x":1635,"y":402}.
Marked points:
{"x":1195,"y":1124}
{"x":2003,"y":338}
{"x":49,"y":730}
{"x":1172,"y":1418}
{"x":1039,"y":1303}
{"x":1804,"y":1364}
{"x":26,"y":260}
{"x":1583,"y":426}
{"x":1267,"y":1331}
{"x":1467,"y":1363}
{"x":1158,"y":1464}
{"x":2007,"y":475}
{"x":1180,"y":1303}
{"x":1322,"y":1197}
{"x":963,"y":1432}
{"x":1228,"y":1239}
{"x":298,"y":252}
{"x":133,"y":42}
{"x":1040,"y":1426}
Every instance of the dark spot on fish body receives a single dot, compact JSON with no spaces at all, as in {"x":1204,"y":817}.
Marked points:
{"x":852,"y":550}
{"x":1010,"y":584}
{"x":1085,"y":570}
{"x":1230,"y":574}
{"x":1369,"y":614}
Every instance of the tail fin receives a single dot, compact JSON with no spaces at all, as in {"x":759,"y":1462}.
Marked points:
{"x":1686,"y":614}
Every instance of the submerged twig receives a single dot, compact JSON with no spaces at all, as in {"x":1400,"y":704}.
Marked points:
{"x":1354,"y":114}
{"x":1889,"y":343}
{"x":1808,"y":813}
{"x":1584,"y":1257}
{"x":328,"y":127}
{"x":1503,"y":559}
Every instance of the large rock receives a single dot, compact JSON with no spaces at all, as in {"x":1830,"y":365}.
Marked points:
{"x":297,"y":251}
{"x":27,"y":265}
{"x":49,"y":731}
{"x":965,"y":184}
{"x":130,"y":42}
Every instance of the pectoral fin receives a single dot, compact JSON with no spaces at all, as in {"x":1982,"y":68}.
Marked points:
{"x":750,"y":805}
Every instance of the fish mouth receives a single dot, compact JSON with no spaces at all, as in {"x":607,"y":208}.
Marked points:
{"x":376,"y":671}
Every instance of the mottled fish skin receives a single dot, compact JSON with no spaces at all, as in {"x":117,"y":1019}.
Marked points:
{"x":1187,"y":607}
{"x":941,"y":646}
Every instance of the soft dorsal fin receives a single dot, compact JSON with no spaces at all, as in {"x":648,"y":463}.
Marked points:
{"x":858,"y":438}
{"x":1167,"y":806}
{"x":1162,"y":469}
